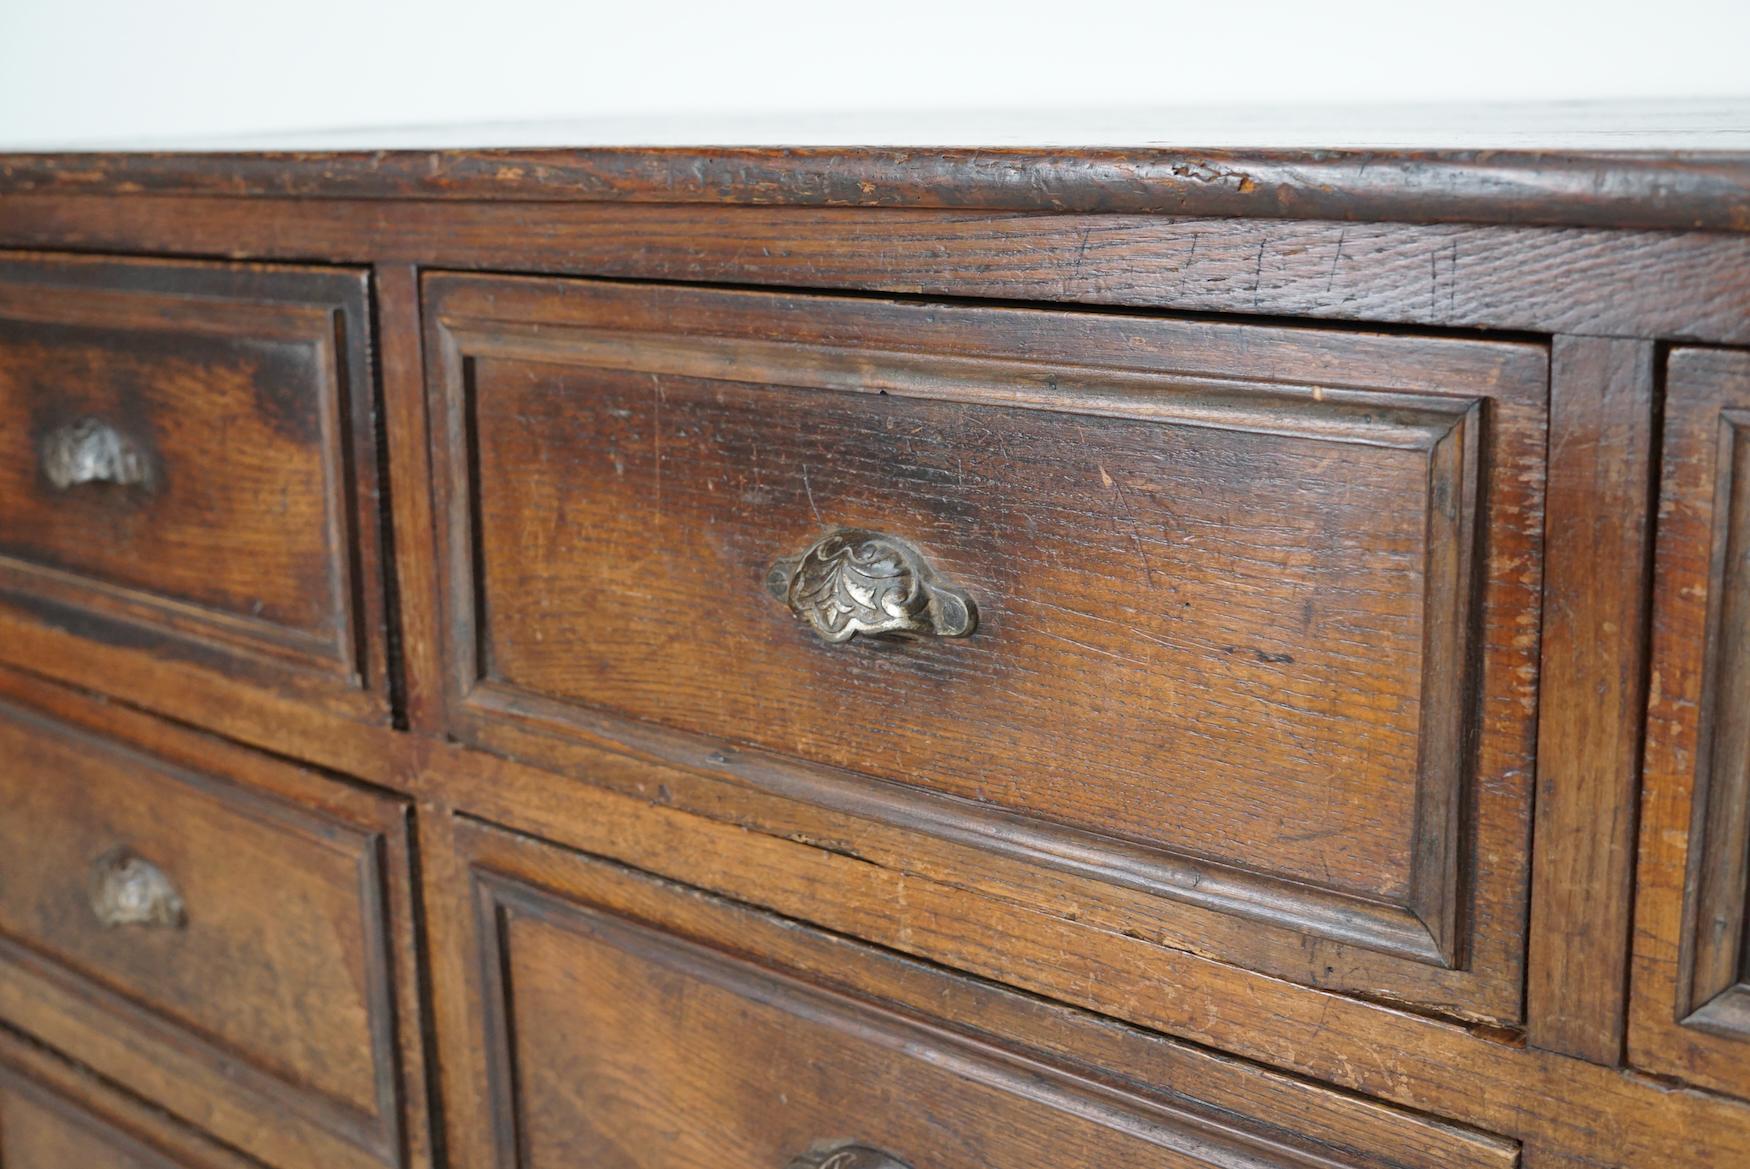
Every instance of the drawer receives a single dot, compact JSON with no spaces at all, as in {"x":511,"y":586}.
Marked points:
{"x":1240,"y":618}
{"x":188,"y":482}
{"x":626,"y":1022}
{"x":1690,"y":1002}
{"x":226,"y":936}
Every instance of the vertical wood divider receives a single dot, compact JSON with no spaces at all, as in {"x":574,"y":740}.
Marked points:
{"x":1597,"y":554}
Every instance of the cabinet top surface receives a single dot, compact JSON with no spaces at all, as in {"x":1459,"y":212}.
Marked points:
{"x":1678,"y":164}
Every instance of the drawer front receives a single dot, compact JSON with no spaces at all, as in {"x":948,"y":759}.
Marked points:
{"x":1690,"y":1005}
{"x":1240,"y":617}
{"x":189,"y":468}
{"x":631,"y":1023}
{"x":194,"y":935}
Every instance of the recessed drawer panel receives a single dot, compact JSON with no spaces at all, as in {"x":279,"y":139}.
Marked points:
{"x":1690,"y":1007}
{"x":1244,"y":617}
{"x":188,"y":472}
{"x":629,"y":1023}
{"x":220,"y":945}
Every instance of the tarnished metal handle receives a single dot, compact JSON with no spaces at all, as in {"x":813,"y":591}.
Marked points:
{"x":855,"y":581}
{"x":846,"y":1156}
{"x":92,"y":451}
{"x":127,"y":889}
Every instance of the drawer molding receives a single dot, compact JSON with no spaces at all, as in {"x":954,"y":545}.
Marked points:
{"x":1422,"y":928}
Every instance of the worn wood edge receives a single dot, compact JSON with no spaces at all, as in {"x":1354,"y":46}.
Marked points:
{"x":1705,"y":190}
{"x":1269,"y":902}
{"x":304,"y":727}
{"x":1597,"y":596}
{"x":1080,"y":898}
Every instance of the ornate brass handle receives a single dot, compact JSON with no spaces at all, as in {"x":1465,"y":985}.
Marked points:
{"x":846,"y":1156}
{"x":855,"y":581}
{"x":127,"y":889}
{"x":92,"y":451}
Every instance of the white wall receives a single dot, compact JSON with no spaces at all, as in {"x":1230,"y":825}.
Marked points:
{"x":133,"y":70}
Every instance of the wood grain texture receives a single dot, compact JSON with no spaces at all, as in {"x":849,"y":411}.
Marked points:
{"x":1691,"y":1004}
{"x":1255,"y":601}
{"x":1679,"y":285}
{"x":402,"y":359}
{"x":283,"y":984}
{"x":245,"y":394}
{"x":1601,"y":188}
{"x":699,"y":1041}
{"x":1597,"y":549}
{"x":299,"y":718}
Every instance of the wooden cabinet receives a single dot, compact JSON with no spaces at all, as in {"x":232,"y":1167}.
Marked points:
{"x":877,"y":658}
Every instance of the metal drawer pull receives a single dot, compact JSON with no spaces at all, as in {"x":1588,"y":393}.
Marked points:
{"x":92,"y":451}
{"x":842,"y":1156}
{"x":127,"y":889}
{"x":855,"y":581}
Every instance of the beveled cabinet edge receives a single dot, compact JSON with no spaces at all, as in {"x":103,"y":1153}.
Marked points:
{"x":1689,"y":188}
{"x":1445,"y":426}
{"x":629,"y":910}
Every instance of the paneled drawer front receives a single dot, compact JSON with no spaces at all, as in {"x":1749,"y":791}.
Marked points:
{"x":189,"y":471}
{"x":1690,"y":1008}
{"x":628,"y":1022}
{"x":1243,"y":618}
{"x":224,"y":945}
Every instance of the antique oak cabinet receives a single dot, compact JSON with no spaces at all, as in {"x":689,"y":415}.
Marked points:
{"x":919,"y":657}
